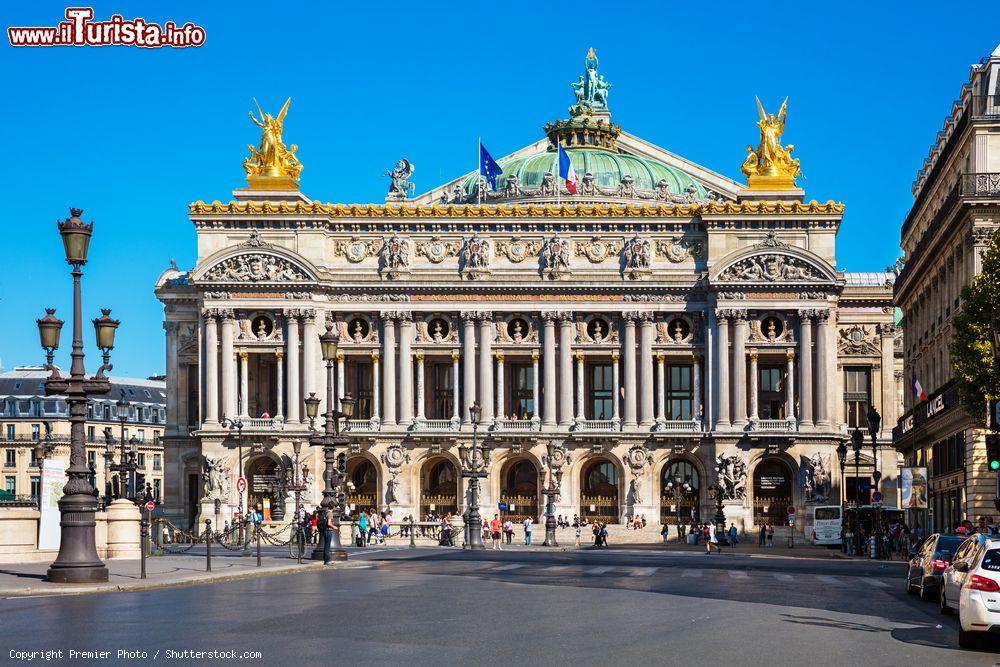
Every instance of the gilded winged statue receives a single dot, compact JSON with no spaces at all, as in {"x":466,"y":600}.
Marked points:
{"x":271,"y":158}
{"x":770,"y":160}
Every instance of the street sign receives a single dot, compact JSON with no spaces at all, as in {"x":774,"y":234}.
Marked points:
{"x":150,"y":505}
{"x":241,"y":484}
{"x":791,"y":510}
{"x":865,"y":486}
{"x":876,"y":475}
{"x":877,"y":497}
{"x":502,"y":507}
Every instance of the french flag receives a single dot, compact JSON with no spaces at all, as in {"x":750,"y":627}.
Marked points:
{"x":566,"y":170}
{"x":918,"y":391}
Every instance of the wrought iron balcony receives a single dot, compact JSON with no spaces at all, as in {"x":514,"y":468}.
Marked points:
{"x":981,"y":185}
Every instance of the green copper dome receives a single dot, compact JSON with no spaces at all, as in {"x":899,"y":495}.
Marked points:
{"x":608,"y":169}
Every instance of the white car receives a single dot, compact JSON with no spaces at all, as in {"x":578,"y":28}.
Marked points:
{"x":972,"y":587}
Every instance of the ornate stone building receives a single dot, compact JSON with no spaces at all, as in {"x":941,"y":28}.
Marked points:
{"x":660,"y":321}
{"x":956,"y":210}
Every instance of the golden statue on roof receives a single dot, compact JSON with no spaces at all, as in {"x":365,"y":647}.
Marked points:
{"x":272,"y":166}
{"x":771,"y":166}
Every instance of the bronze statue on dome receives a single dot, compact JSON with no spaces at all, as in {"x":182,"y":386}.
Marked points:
{"x":271,"y":164}
{"x":771,"y":165}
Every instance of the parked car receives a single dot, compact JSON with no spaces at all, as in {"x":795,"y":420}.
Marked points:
{"x":928,"y":561}
{"x":972,"y":587}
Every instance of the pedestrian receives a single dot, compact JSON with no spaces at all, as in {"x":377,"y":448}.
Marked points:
{"x":166,"y":533}
{"x":363,"y":529}
{"x":495,"y":532}
{"x":577,"y":529}
{"x":770,"y":535}
{"x":712,"y":542}
{"x":508,"y":530}
{"x":665,"y":532}
{"x":597,"y":534}
{"x":323,"y":525}
{"x":763,"y":534}
{"x":732,"y":535}
{"x":527,"y":531}
{"x":603,"y":536}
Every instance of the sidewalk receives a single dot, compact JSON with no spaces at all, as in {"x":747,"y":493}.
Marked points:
{"x":24,"y":579}
{"x":804,"y":550}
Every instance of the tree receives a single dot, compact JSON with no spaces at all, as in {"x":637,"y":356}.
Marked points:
{"x":977,"y":374}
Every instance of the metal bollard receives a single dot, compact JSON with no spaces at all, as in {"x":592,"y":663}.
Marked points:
{"x":208,"y":545}
{"x":300,"y":538}
{"x":413,"y":543}
{"x":143,"y":546}
{"x":257,"y":535}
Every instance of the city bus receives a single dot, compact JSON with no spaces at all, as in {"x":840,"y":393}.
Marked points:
{"x":827,"y":522}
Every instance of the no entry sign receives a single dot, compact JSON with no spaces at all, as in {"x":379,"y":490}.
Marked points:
{"x":150,"y":505}
{"x":241,"y":484}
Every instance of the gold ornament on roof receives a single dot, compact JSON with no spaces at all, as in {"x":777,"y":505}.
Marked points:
{"x":272,"y":166}
{"x":771,"y":166}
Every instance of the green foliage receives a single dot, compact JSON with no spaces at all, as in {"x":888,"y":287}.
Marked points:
{"x":976,"y":373}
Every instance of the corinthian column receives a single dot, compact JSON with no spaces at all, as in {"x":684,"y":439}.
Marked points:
{"x":822,"y":363}
{"x":740,"y":368}
{"x":696,"y":388}
{"x":888,"y":333}
{"x":405,"y":369}
{"x":580,"y":415}
{"x":244,"y":385}
{"x":805,"y":368}
{"x":646,"y":389}
{"x":376,"y":388}
{"x":549,"y":361}
{"x":468,"y":364}
{"x":419,"y":356}
{"x":723,"y":356}
{"x":228,"y":364}
{"x":661,"y":380}
{"x":456,"y":407}
{"x":311,"y":356}
{"x":486,"y":366}
{"x":615,"y":397}
{"x":565,"y":369}
{"x":292,"y":361}
{"x":210,"y":400}
{"x":790,"y":386}
{"x":754,"y":387}
{"x":629,"y":369}
{"x":389,"y":369}
{"x":501,"y":408}
{"x":279,"y":357}
{"x":172,"y":375}
{"x":534,"y":388}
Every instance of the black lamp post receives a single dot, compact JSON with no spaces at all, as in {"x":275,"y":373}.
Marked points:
{"x":677,"y":485}
{"x":720,"y":515}
{"x":842,"y":459}
{"x":551,"y":491}
{"x":77,"y":561}
{"x":333,"y":495}
{"x":41,"y":451}
{"x":874,"y":422}
{"x":857,"y":442}
{"x":109,"y":459}
{"x":474,"y":466}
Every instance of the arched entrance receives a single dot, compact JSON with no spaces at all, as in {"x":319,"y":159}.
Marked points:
{"x":264,"y":488}
{"x":362,"y":487}
{"x":438,"y":487}
{"x":680,"y":485}
{"x":519,"y":488}
{"x":599,"y":491}
{"x":772,"y":492}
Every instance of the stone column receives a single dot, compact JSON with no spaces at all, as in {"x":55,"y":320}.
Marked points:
{"x":244,"y":385}
{"x":534,"y":387}
{"x":565,"y":368}
{"x":722,"y":365}
{"x":405,"y":368}
{"x":456,"y":401}
{"x":376,"y":387}
{"x":279,"y":358}
{"x":821,"y":362}
{"x":318,"y":364}
{"x":805,"y":368}
{"x":696,"y":388}
{"x":889,"y":417}
{"x":486,"y":367}
{"x":228,"y":365}
{"x":754,"y":387}
{"x":419,"y":356}
{"x":210,"y":402}
{"x":646,"y":389}
{"x":172,"y":375}
{"x":183,"y":391}
{"x":615,"y":395}
{"x":580,"y":414}
{"x":501,"y":413}
{"x":389,"y":369}
{"x":295,"y":403}
{"x":790,"y":386}
{"x":549,"y":361}
{"x":311,"y":356}
{"x":740,"y":368}
{"x":661,"y":380}
{"x":468,"y":364}
{"x":630,"y":391}
{"x":341,"y":384}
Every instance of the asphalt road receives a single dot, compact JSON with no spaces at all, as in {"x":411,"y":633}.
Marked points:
{"x":515,"y":607}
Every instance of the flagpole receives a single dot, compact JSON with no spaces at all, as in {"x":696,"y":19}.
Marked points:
{"x":557,"y":170}
{"x":479,"y":173}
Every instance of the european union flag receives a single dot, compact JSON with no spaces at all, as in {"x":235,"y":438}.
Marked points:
{"x":488,"y":167}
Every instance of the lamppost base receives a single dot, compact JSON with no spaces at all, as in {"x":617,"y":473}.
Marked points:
{"x":77,"y":573}
{"x":335,"y":554}
{"x":77,"y":561}
{"x":550,"y":540}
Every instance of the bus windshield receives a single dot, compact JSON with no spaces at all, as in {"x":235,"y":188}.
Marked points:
{"x":827,"y":513}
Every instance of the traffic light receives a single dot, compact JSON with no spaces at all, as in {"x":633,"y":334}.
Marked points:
{"x":993,"y":451}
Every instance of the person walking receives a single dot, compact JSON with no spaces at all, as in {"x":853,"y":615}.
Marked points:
{"x":495,"y":532}
{"x":577,"y":529}
{"x":603,"y":535}
{"x":323,"y":526}
{"x":527,"y":531}
{"x":770,"y":535}
{"x":665,"y":532}
{"x":363,"y":529}
{"x":763,"y":535}
{"x":508,"y":530}
{"x":732,"y":535}
{"x":713,"y":541}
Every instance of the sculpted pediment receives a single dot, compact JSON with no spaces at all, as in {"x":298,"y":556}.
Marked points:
{"x":255,"y":264}
{"x":774,"y":265}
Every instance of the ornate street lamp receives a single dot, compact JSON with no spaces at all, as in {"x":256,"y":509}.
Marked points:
{"x":874,"y":422}
{"x":333,"y":494}
{"x":678,"y":485}
{"x":474,"y":467}
{"x":77,"y":561}
{"x":109,"y":459}
{"x":41,"y":451}
{"x":857,"y":442}
{"x":720,"y":514}
{"x":551,"y":491}
{"x":842,"y":459}
{"x":237,"y":425}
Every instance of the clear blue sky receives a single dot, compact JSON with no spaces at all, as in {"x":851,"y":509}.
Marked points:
{"x":132,"y":136}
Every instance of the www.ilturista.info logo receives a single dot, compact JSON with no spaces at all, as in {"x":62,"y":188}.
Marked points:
{"x":80,"y":30}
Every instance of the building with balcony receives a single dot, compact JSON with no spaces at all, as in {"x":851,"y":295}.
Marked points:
{"x":657,"y":320}
{"x":29,"y":417}
{"x":956,"y":210}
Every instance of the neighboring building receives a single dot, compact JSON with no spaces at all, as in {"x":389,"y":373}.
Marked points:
{"x":955,"y":211}
{"x":663,"y":320}
{"x":25,"y":410}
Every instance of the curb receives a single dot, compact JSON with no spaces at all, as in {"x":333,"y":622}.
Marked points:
{"x":187,"y":581}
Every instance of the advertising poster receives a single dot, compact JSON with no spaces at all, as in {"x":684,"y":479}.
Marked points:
{"x":913,"y":487}
{"x":53,"y":480}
